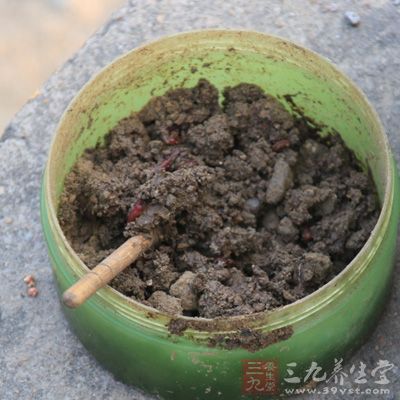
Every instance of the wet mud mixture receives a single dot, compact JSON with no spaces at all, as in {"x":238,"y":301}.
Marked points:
{"x":252,"y":209}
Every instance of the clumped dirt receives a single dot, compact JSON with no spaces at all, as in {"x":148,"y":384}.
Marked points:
{"x":251,"y":340}
{"x":252,"y":208}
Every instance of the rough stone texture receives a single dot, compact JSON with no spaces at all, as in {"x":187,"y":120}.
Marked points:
{"x":39,"y":356}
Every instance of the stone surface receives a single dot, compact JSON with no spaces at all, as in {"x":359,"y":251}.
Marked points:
{"x":352,"y":18}
{"x":39,"y":356}
{"x":36,"y":37}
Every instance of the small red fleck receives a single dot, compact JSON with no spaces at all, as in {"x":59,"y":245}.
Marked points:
{"x":306,"y":234}
{"x":280,"y":145}
{"x":136,"y":210}
{"x":172,"y":140}
{"x":226,"y":262}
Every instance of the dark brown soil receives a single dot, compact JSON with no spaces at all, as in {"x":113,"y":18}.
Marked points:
{"x":253,"y":210}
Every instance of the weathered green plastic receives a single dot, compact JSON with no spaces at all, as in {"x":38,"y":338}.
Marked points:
{"x":133,"y":340}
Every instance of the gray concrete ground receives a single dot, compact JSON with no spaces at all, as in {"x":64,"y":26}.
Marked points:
{"x":39,"y":356}
{"x":38,"y":35}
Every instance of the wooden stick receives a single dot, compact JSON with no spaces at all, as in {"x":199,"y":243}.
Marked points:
{"x":104,"y":272}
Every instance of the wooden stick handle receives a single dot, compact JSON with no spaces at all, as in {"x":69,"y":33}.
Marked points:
{"x":104,"y":272}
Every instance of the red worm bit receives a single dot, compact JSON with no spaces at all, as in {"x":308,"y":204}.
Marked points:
{"x":226,"y":262}
{"x":172,"y":140}
{"x":280,"y":145}
{"x":136,"y":210}
{"x":190,"y":163}
{"x":306,"y":235}
{"x":167,"y":163}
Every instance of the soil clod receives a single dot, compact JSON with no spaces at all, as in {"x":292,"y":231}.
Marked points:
{"x":252,"y":208}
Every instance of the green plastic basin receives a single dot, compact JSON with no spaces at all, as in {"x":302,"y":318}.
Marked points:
{"x":133,"y":340}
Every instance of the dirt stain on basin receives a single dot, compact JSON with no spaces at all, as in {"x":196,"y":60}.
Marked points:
{"x":251,"y":340}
